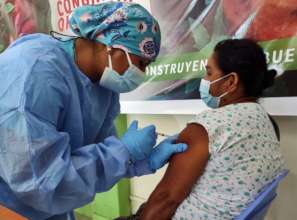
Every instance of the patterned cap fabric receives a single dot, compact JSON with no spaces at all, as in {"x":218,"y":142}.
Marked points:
{"x":126,"y":26}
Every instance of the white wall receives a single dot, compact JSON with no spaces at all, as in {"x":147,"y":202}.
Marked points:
{"x":283,"y":208}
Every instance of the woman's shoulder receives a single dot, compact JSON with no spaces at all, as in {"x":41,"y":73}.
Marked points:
{"x":232,"y":111}
{"x":229,"y":124}
{"x":229,"y":117}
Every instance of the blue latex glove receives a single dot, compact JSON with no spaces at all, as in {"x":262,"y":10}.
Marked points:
{"x":162,"y":153}
{"x":140,"y":142}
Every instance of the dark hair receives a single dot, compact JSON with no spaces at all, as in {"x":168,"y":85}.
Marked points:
{"x":246,"y":58}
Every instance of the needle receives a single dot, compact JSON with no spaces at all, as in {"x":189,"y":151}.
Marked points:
{"x":162,"y":134}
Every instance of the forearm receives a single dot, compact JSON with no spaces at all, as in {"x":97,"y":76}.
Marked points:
{"x":161,"y":205}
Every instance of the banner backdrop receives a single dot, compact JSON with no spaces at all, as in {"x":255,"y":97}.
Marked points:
{"x":190,"y":29}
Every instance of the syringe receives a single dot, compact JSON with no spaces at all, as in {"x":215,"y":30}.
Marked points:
{"x":162,"y":134}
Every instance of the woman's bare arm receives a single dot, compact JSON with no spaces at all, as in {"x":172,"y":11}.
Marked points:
{"x":183,"y":171}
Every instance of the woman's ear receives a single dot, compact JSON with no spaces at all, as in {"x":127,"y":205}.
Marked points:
{"x":233,"y":82}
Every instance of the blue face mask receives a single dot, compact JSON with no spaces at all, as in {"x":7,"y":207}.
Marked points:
{"x":127,"y":82}
{"x":207,"y":98}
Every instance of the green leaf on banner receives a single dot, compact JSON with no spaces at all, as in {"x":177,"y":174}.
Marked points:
{"x":8,"y":7}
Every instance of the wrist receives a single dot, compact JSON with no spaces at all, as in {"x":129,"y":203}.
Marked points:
{"x":152,"y":163}
{"x":141,"y":167}
{"x":130,"y":150}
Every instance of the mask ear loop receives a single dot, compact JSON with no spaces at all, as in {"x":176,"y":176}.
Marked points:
{"x":109,"y":57}
{"x":219,"y":79}
{"x":225,"y":93}
{"x":128,"y":58}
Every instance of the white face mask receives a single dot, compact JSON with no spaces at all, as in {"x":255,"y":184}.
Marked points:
{"x":130,"y":80}
{"x":207,"y":98}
